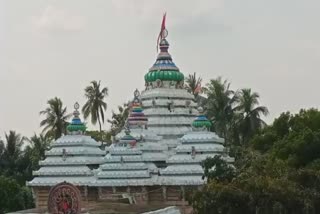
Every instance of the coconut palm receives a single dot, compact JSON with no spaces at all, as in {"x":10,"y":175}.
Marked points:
{"x":11,"y":152}
{"x":220,"y":106}
{"x":251,"y":113}
{"x":36,"y":148}
{"x":95,"y":105}
{"x":193,"y":84}
{"x":119,"y":119}
{"x":56,"y":117}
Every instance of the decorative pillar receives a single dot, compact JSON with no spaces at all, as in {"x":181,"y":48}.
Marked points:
{"x":164,"y":193}
{"x":128,"y":189}
{"x":114,"y":189}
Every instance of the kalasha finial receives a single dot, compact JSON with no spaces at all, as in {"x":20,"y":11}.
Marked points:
{"x":136,"y":96}
{"x":76,"y":112}
{"x":76,"y":106}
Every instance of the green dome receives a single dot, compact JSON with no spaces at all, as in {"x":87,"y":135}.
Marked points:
{"x":74,"y":127}
{"x":198,"y":124}
{"x":201,"y":121}
{"x":164,"y":75}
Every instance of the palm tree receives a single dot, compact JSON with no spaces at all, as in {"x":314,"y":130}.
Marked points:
{"x":220,"y":106}
{"x":36,"y":148}
{"x":118,"y":120}
{"x":251,"y":113}
{"x":95,"y":105}
{"x":56,"y":117}
{"x":11,"y":152}
{"x":193,"y":84}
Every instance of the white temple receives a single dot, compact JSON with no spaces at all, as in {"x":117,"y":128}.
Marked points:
{"x":71,"y":158}
{"x":153,"y":158}
{"x":184,"y":167}
{"x":169,"y":107}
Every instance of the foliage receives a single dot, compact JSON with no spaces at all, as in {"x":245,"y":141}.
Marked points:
{"x":276,"y":172}
{"x":12,"y":159}
{"x":217,"y":169}
{"x":236,"y":115}
{"x":250,"y":111}
{"x":36,"y":149}
{"x":118,"y":120}
{"x":13,"y":196}
{"x":95,"y":105}
{"x":55,"y":122}
{"x":104,"y":137}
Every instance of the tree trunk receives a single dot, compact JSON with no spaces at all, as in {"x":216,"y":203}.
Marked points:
{"x":99,"y":124}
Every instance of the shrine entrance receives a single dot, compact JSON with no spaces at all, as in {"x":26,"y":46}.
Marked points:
{"x":64,"y":198}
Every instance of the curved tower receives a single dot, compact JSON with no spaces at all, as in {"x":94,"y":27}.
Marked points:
{"x":169,"y":107}
{"x":184,"y":167}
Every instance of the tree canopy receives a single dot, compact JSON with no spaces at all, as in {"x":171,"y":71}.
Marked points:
{"x":276,"y":172}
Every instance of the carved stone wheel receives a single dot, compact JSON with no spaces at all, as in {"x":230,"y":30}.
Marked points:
{"x":64,"y":198}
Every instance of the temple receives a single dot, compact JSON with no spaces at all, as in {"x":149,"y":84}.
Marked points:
{"x":154,"y":158}
{"x":169,"y":107}
{"x":71,"y":158}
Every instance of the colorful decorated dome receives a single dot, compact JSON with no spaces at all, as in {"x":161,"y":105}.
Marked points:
{"x":137,"y":116}
{"x":201,"y":121}
{"x":164,"y":68}
{"x":76,"y":124}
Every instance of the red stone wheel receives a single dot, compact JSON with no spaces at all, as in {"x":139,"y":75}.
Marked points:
{"x":64,"y":198}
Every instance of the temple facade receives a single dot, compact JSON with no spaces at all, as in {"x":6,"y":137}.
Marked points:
{"x":155,"y":158}
{"x":169,"y":107}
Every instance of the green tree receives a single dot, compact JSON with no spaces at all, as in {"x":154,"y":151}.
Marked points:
{"x":118,"y":120}
{"x":36,"y":149}
{"x":218,"y":169}
{"x":12,"y":151}
{"x":277,"y":172}
{"x":220,"y":106}
{"x":13,"y":196}
{"x":104,"y":136}
{"x":95,"y":105}
{"x":13,"y":162}
{"x":55,"y":122}
{"x":248,"y":106}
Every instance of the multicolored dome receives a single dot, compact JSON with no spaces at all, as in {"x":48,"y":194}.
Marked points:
{"x":137,"y":116}
{"x":76,"y":124}
{"x":201,"y":121}
{"x":164,"y":68}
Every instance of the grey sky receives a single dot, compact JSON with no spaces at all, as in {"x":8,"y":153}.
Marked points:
{"x":55,"y":48}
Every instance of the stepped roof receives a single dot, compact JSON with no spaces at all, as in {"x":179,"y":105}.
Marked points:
{"x":70,"y":158}
{"x":184,"y":167}
{"x":124,"y":166}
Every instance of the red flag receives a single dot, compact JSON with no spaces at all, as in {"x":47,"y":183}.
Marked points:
{"x":163,"y":28}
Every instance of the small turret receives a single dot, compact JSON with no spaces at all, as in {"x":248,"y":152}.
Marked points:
{"x":76,"y":127}
{"x":201,"y":122}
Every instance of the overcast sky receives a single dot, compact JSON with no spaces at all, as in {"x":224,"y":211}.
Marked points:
{"x":55,"y":48}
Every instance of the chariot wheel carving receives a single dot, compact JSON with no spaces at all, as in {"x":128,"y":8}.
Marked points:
{"x":64,"y":198}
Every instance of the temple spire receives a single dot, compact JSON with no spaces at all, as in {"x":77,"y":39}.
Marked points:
{"x":76,"y":126}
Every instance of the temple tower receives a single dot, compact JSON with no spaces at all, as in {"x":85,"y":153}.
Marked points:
{"x":71,"y":159}
{"x":169,"y":107}
{"x":184,"y":167}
